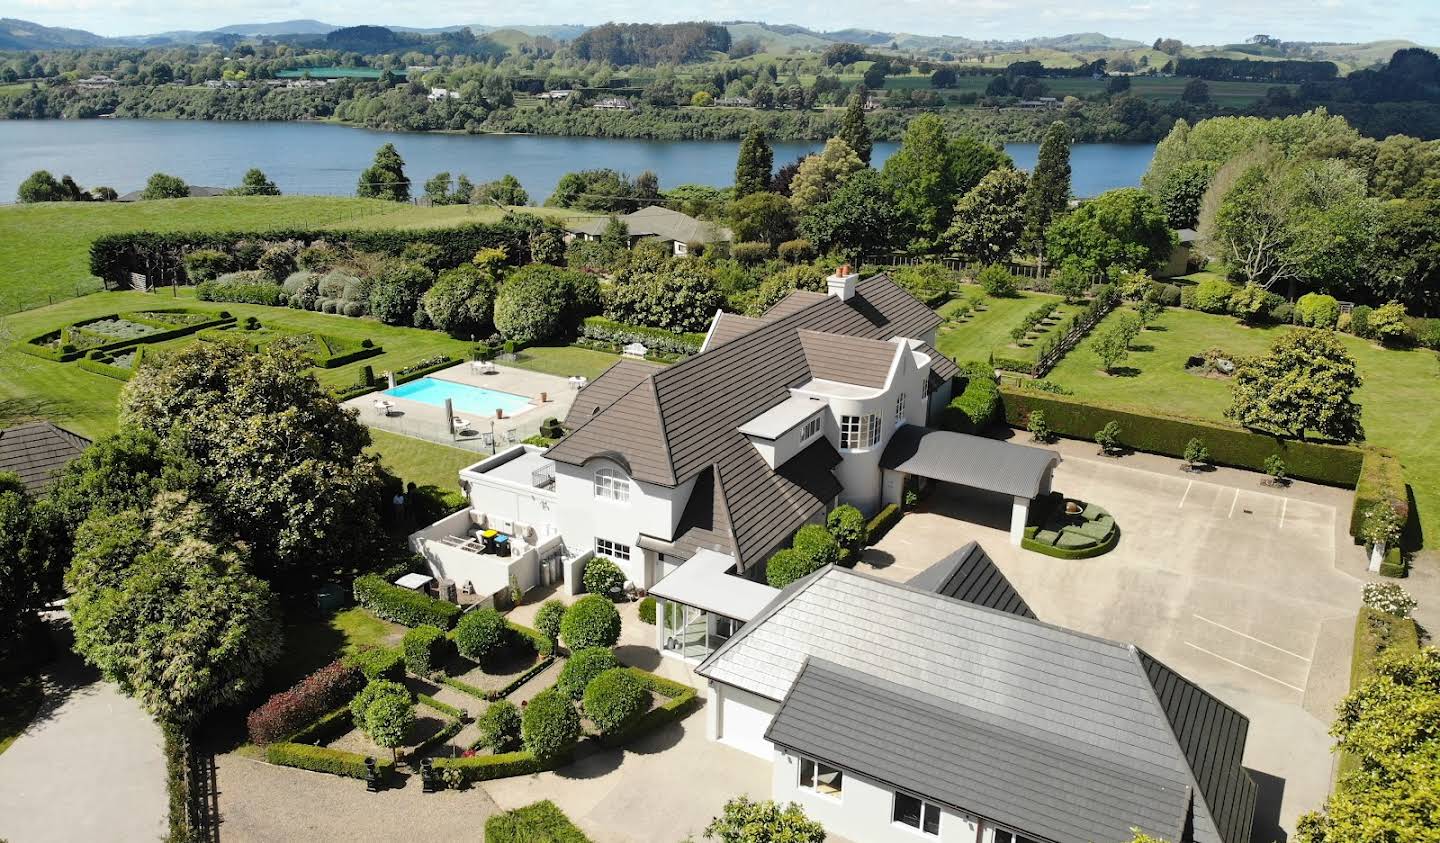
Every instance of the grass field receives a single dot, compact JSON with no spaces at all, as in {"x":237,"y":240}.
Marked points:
{"x":45,"y":248}
{"x":87,"y":403}
{"x":985,"y":332}
{"x":1400,"y":389}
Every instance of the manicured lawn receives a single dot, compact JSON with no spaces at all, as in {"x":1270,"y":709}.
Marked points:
{"x":312,"y":643}
{"x":86,"y":402}
{"x":1400,"y":390}
{"x":426,"y":464}
{"x":541,"y":822}
{"x":416,"y":216}
{"x":981,"y":333}
{"x":20,"y":698}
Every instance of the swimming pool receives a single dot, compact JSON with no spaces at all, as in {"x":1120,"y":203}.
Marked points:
{"x":474,"y":400}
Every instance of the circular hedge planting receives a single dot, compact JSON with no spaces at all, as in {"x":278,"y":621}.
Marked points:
{"x":614,"y":699}
{"x":592,"y":621}
{"x":582,"y":667}
{"x":547,"y":618}
{"x":480,"y":634}
{"x":500,"y":727}
{"x":603,"y":576}
{"x":549,"y":726}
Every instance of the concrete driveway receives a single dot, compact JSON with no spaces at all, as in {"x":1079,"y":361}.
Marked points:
{"x":1242,"y":588}
{"x":89,"y":767}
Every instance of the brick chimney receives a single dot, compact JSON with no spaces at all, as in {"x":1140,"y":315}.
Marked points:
{"x":842,"y":283}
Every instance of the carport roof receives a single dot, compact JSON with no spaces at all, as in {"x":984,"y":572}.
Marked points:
{"x":1017,"y":470}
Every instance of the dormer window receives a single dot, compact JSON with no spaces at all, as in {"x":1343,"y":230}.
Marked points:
{"x":859,"y":432}
{"x":811,"y":429}
{"x":612,"y":485}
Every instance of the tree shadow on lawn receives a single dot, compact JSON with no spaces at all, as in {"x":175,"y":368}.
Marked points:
{"x":15,"y":410}
{"x":1123,"y":372}
{"x":1141,"y":348}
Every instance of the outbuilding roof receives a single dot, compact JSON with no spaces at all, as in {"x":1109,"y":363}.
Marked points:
{"x":1103,"y":701}
{"x":975,"y":461}
{"x":970,"y":574}
{"x":37,"y":451}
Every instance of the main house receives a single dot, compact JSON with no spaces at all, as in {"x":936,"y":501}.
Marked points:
{"x":696,"y":473}
{"x":943,"y":708}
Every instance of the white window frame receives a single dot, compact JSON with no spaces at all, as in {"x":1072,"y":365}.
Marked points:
{"x":811,"y":429}
{"x":924,"y":804}
{"x":612,"y":549}
{"x":839,"y":793}
{"x":612,"y":485}
{"x":1015,"y":836}
{"x":857,"y":433}
{"x":900,"y":409}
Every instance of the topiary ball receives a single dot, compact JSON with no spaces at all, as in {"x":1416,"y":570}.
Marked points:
{"x":582,"y":667}
{"x":549,"y":726}
{"x":603,"y":576}
{"x":548,"y":617}
{"x":614,"y":699}
{"x":480,"y":634}
{"x":591,"y":621}
{"x":647,"y":611}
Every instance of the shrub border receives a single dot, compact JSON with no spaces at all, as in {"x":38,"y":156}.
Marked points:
{"x":1098,"y":549}
{"x":881,"y":524}
{"x":682,"y":699}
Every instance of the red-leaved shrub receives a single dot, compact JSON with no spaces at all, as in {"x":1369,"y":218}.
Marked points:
{"x":289,"y":711}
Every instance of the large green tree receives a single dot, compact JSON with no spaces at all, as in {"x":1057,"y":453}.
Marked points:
{"x":1182,"y":190}
{"x":256,"y":183}
{"x":1407,"y":255}
{"x":1305,"y":383}
{"x":277,"y":459}
{"x":930,"y":169}
{"x":40,"y":186}
{"x":990,"y":219}
{"x":677,"y":294}
{"x":166,"y":607}
{"x":762,"y":216}
{"x":385,"y":178}
{"x":540,"y":302}
{"x":755,"y":165}
{"x":165,"y":186}
{"x":860,"y":219}
{"x":462,"y":299}
{"x":29,"y":561}
{"x":820,"y":176}
{"x":853,"y":129}
{"x":1389,"y":725}
{"x":1124,"y":229}
{"x":1048,"y":193}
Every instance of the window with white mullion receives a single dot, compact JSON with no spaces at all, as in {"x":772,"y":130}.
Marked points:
{"x":916,"y":813}
{"x":819,"y":777}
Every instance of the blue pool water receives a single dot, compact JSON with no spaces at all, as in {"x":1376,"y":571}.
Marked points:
{"x":475,"y":400}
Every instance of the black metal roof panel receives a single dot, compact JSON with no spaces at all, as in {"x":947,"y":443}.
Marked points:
{"x":970,"y":574}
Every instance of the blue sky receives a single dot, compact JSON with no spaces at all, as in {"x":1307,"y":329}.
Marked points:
{"x":1194,"y":21}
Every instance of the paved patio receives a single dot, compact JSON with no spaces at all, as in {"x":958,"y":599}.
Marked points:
{"x":1243,"y":588}
{"x":427,"y":421}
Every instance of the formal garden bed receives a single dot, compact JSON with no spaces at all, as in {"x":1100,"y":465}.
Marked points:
{"x":1069,"y":529}
{"x":326,"y":350}
{"x":119,"y":330}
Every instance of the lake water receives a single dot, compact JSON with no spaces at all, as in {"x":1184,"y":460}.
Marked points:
{"x":319,"y":158}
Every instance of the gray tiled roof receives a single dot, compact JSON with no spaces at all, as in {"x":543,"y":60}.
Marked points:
{"x":947,"y":752}
{"x":600,"y":393}
{"x":728,"y":326}
{"x":1089,"y":695}
{"x":37,"y":451}
{"x":969,"y":460}
{"x":685,"y":418}
{"x":970,"y":574}
{"x":856,"y":360}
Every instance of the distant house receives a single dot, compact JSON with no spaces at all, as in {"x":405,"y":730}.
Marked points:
{"x":95,"y":83}
{"x":873,"y":104}
{"x":437,"y":94}
{"x":554,"y":95}
{"x":1182,"y":257}
{"x":196,"y":192}
{"x":613,"y":103}
{"x":735,"y":102}
{"x":673,"y":228}
{"x":36,"y":452}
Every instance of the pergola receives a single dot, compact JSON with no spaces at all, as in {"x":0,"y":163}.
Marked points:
{"x":1021,"y":472}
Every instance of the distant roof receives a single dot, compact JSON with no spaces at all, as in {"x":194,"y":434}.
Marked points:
{"x":1107,"y":704}
{"x":974,"y":461}
{"x":655,"y":221}
{"x":37,"y":451}
{"x":970,"y":574}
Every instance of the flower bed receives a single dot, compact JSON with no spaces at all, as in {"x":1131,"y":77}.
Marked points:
{"x":119,"y":330}
{"x":1089,"y":531}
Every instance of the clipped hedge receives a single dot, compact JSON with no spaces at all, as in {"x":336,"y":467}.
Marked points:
{"x":973,"y":409}
{"x":600,"y":329}
{"x":581,"y":669}
{"x":483,"y":768}
{"x":882,"y":522}
{"x":102,"y":363}
{"x":615,"y":699}
{"x":1381,"y":480}
{"x":541,"y":822}
{"x":1056,"y":551}
{"x":426,"y":649}
{"x":378,"y":663}
{"x":403,"y":606}
{"x":287,"y":712}
{"x":322,"y":759}
{"x":36,"y":346}
{"x":1145,"y":430}
{"x":241,"y":290}
{"x":591,"y":621}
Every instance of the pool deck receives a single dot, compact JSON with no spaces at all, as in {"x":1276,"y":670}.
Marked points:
{"x":426,"y":421}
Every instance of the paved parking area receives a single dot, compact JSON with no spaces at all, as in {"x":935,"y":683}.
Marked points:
{"x":1242,"y":588}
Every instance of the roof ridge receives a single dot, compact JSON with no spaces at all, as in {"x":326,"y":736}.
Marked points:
{"x":660,"y":420}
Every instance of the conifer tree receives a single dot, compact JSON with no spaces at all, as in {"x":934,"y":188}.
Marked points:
{"x":757,"y":162}
{"x":1049,"y":192}
{"x":853,"y":129}
{"x":385,"y":179}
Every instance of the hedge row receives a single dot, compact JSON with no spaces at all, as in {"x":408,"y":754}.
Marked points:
{"x":482,"y":768}
{"x":681,"y":700}
{"x":35,"y":345}
{"x":450,"y":730}
{"x":345,"y":393}
{"x":287,"y":712}
{"x":444,"y":708}
{"x":1381,"y":481}
{"x":242,"y":292}
{"x":403,"y":606}
{"x":176,"y":749}
{"x":1144,"y":430}
{"x":655,"y":339}
{"x":500,"y":693}
{"x":1105,"y":546}
{"x":541,"y":822}
{"x":99,"y":363}
{"x":322,"y":759}
{"x":882,"y":522}
{"x":161,"y":254}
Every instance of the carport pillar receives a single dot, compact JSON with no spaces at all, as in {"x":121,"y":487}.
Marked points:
{"x":1019,"y":514}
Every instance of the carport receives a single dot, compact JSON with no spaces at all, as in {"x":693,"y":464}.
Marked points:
{"x":1020,"y":472}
